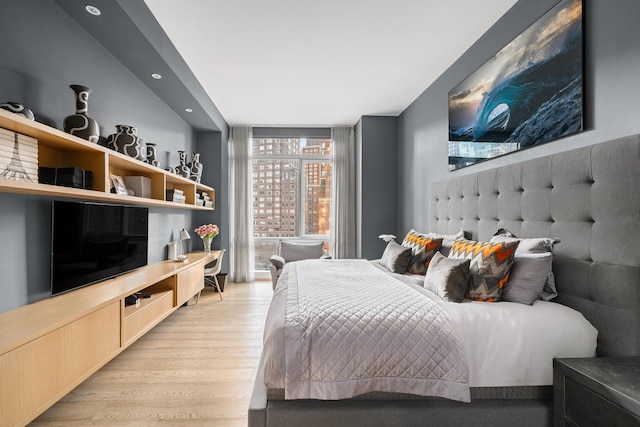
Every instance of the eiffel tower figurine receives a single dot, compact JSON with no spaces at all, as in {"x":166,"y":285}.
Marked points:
{"x":14,"y":169}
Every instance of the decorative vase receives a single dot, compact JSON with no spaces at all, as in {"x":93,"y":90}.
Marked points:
{"x":206,"y":242}
{"x":195,"y":167}
{"x":168,"y":158}
{"x":182,"y":168}
{"x":151,"y":154}
{"x":79,"y":124}
{"x":18,"y":109}
{"x":143,"y":150}
{"x":126,"y":141}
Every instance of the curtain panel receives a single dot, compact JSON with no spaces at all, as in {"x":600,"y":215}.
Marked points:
{"x":241,"y":251}
{"x":343,"y":192}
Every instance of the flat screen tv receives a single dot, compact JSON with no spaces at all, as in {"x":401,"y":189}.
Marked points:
{"x":92,"y":242}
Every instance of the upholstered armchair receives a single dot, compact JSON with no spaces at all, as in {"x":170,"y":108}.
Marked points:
{"x":290,"y":250}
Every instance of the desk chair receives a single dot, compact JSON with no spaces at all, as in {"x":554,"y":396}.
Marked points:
{"x":211,"y":273}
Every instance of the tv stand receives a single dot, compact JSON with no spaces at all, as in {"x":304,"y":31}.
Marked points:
{"x":49,"y":347}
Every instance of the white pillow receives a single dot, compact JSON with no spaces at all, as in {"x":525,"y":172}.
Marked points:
{"x":447,"y":240}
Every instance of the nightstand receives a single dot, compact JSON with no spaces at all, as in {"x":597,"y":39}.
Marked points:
{"x":596,"y":392}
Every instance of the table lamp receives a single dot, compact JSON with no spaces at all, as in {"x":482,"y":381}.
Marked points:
{"x":184,"y":236}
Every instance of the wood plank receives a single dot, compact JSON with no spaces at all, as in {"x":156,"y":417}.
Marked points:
{"x":193,"y":369}
{"x":21,"y":187}
{"x":122,"y":364}
{"x":180,"y":391}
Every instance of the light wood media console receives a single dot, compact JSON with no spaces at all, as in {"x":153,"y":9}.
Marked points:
{"x":49,"y":347}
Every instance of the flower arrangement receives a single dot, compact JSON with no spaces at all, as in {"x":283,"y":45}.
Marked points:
{"x":207,"y":232}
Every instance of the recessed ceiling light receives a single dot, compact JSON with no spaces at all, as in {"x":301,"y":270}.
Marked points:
{"x":188,"y":110}
{"x":93,"y":10}
{"x":156,"y":76}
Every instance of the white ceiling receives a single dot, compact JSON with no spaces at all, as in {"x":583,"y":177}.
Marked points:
{"x":320,"y":63}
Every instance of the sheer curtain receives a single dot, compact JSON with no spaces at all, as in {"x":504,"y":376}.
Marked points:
{"x":241,"y":261}
{"x":343,"y":190}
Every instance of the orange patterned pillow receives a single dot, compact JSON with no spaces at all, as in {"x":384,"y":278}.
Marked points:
{"x":490,"y":266}
{"x":422,"y":250}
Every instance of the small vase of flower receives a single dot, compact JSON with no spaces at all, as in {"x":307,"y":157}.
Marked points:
{"x":207,"y":233}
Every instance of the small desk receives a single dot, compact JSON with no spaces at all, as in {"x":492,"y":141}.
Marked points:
{"x":596,"y":392}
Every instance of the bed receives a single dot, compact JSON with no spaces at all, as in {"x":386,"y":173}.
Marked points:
{"x":586,"y":198}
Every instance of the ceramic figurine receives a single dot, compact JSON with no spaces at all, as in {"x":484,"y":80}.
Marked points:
{"x":18,"y":109}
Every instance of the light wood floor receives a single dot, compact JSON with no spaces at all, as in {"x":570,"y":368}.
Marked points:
{"x":196,"y":368}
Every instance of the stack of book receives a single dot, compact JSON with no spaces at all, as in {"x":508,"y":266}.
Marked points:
{"x":175,"y":195}
{"x":18,"y":156}
{"x":206,"y":200}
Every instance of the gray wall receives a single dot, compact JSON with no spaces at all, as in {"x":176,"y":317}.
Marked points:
{"x":612,"y":94}
{"x":377,"y":183}
{"x":214,"y":150}
{"x":43,"y":50}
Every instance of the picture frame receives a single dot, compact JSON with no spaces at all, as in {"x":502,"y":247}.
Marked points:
{"x":529,"y":93}
{"x":117,"y":184}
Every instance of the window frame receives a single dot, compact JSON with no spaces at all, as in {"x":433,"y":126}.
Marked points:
{"x":302,"y":185}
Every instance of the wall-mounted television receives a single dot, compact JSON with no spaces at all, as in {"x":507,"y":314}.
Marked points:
{"x":92,"y":242}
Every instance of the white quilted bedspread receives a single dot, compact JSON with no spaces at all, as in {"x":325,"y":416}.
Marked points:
{"x":364,"y":331}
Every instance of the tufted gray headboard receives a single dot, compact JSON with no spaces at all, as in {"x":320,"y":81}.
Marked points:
{"x":588,"y":198}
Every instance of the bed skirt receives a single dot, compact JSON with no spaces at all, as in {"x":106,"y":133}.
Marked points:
{"x":490,"y":406}
{"x":477,"y":393}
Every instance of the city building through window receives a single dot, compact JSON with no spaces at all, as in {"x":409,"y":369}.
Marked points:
{"x":291,"y":192}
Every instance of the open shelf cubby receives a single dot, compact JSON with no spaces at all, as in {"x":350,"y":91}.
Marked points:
{"x":57,"y":149}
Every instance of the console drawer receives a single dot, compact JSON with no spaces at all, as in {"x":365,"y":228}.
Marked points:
{"x":190,"y":282}
{"x":40,"y":372}
{"x":585,"y":408}
{"x":142,"y":318}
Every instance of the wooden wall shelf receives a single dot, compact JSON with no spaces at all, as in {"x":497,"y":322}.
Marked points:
{"x":49,"y":347}
{"x":59,"y":149}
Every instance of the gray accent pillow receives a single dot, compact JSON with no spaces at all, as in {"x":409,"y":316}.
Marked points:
{"x":396,"y":257}
{"x":448,"y":277}
{"x":526,"y":246}
{"x":527,"y":278}
{"x":532,"y":246}
{"x":299,"y":250}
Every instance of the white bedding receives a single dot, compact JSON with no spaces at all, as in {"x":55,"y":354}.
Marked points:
{"x":511,"y":344}
{"x":507,"y":344}
{"x":365,"y":332}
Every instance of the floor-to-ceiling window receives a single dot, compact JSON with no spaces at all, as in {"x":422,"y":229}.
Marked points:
{"x":291,"y":192}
